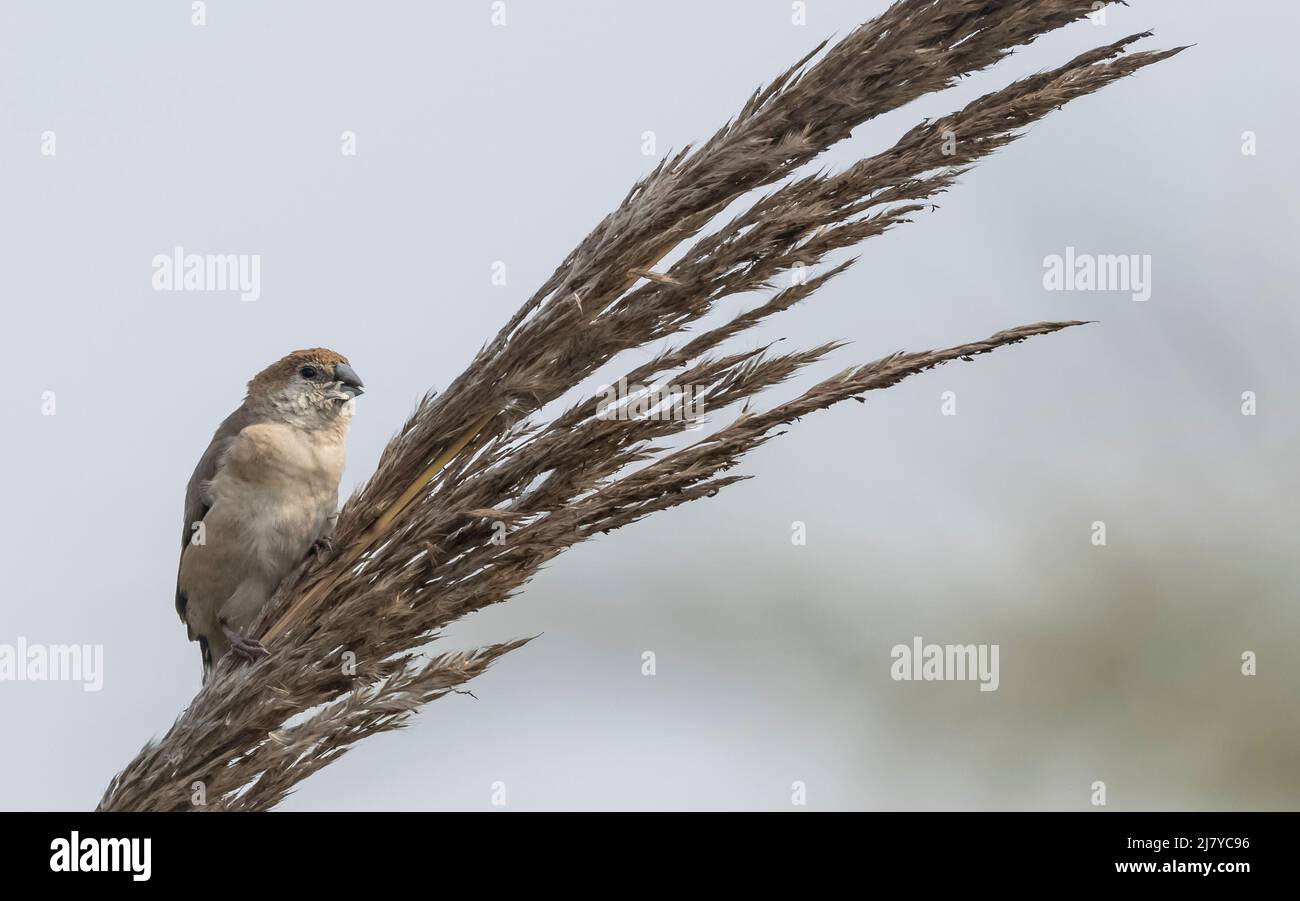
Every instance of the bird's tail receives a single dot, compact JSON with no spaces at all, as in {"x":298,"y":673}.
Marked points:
{"x":205,"y":650}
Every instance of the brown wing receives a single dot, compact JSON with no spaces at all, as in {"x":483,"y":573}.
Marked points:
{"x":196,"y":492}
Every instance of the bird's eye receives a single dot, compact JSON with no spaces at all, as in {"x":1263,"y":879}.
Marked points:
{"x":307,"y":372}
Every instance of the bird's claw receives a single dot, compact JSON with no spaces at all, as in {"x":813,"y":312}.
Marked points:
{"x":246,"y":649}
{"x":322,"y":546}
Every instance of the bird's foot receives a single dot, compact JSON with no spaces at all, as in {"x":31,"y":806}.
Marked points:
{"x":322,"y":546}
{"x":246,"y":649}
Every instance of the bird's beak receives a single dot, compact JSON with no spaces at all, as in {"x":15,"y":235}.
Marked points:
{"x":348,"y":377}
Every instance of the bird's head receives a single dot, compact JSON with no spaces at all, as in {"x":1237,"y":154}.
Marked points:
{"x":307,"y":388}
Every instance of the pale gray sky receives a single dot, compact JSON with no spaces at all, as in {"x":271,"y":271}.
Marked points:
{"x":477,"y":144}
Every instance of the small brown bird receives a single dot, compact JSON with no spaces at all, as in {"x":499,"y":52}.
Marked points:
{"x":263,"y":496}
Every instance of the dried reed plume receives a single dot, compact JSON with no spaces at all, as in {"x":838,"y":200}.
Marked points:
{"x":414,"y":543}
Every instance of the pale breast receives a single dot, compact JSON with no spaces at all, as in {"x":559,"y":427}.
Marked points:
{"x":280,"y":486}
